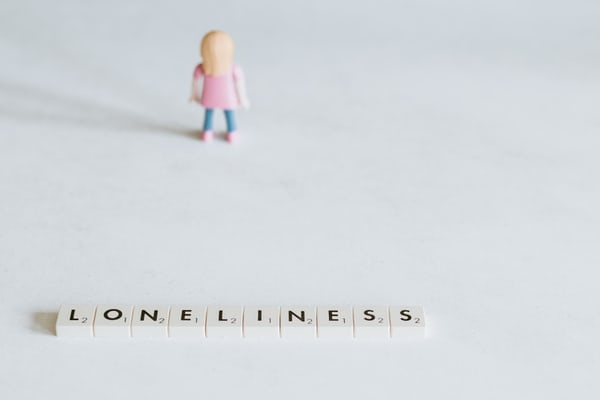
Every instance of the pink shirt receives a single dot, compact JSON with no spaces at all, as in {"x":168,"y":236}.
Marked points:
{"x":218,"y":91}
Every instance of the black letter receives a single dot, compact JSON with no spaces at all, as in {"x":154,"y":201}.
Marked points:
{"x":221,"y":316}
{"x":119,"y":314}
{"x":185,"y":315}
{"x":333,"y":314}
{"x":300,"y":317}
{"x":405,"y":313}
{"x":260,"y":315}
{"x":369,"y":313}
{"x":153,"y":317}
{"x":72,"y":316}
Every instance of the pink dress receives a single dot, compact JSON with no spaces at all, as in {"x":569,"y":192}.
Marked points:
{"x":218,"y":91}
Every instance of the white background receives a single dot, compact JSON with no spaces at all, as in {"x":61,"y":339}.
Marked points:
{"x":397,"y":152}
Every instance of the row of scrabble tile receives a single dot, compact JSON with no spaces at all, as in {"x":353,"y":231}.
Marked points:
{"x":250,"y":322}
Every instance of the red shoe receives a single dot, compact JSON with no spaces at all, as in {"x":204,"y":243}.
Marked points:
{"x":207,"y":136}
{"x":231,"y":136}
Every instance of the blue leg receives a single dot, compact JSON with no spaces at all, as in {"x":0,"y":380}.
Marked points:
{"x":208,"y":119}
{"x":229,"y":117}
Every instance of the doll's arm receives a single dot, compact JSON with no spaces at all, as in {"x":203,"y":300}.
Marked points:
{"x":198,"y":73}
{"x":193,"y":91}
{"x":240,"y":87}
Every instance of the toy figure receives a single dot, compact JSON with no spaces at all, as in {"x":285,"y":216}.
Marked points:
{"x":223,"y":83}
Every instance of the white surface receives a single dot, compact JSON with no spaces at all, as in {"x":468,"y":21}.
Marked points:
{"x":397,"y":152}
{"x":75,"y":321}
{"x":150,"y":322}
{"x":187,"y":322}
{"x":261,"y":322}
{"x":335,"y":322}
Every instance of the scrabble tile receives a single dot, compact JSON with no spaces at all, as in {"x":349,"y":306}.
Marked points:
{"x":298,"y":322}
{"x":150,"y":321}
{"x":334,"y":322}
{"x":371,"y":322}
{"x":187,"y":322}
{"x":113,"y":321}
{"x":75,"y":321}
{"x":261,"y":322}
{"x":407,"y":321}
{"x":224,"y":322}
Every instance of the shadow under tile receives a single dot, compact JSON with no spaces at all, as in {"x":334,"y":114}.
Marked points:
{"x":44,"y":322}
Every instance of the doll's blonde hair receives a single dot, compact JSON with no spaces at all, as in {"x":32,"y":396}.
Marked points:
{"x":217,"y":53}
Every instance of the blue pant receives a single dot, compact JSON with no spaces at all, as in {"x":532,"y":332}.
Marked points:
{"x":208,"y":120}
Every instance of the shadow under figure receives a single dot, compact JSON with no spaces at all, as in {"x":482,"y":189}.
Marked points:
{"x":223,"y":85}
{"x":26,"y":103}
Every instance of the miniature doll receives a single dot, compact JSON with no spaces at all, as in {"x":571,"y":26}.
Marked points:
{"x":223,"y":83}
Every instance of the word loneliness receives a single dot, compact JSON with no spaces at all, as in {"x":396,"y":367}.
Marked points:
{"x":238,"y":322}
